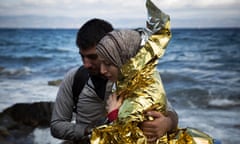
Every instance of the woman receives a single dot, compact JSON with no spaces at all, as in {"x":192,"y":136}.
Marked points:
{"x":133,"y":68}
{"x":130,"y":61}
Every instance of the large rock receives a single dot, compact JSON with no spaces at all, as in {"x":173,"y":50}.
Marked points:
{"x":19,"y":120}
{"x":55,"y":82}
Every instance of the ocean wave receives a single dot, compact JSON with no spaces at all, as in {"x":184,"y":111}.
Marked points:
{"x":173,"y":76}
{"x":15,"y":71}
{"x":58,"y":50}
{"x":223,"y":103}
{"x":19,"y":58}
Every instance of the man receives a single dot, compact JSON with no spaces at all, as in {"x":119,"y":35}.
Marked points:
{"x":92,"y":99}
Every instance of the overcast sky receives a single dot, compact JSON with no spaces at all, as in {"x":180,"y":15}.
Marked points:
{"x":121,"y":13}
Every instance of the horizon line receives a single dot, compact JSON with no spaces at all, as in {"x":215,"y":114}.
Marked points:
{"x":226,"y":27}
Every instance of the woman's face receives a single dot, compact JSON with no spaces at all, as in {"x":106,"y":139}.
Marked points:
{"x":109,"y":70}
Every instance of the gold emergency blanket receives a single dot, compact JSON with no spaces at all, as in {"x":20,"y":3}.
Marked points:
{"x":140,"y":85}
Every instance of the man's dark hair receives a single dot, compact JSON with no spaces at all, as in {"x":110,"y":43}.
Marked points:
{"x":92,"y":32}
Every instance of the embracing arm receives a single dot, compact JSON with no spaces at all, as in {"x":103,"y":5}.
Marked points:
{"x":61,"y":126}
{"x":161,"y":124}
{"x":174,"y":120}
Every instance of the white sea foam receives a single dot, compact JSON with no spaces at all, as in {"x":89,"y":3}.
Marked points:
{"x":16,"y":71}
{"x":41,"y":134}
{"x":25,"y":91}
{"x":223,"y":103}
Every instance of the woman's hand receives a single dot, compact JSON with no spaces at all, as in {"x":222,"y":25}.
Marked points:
{"x":114,"y":102}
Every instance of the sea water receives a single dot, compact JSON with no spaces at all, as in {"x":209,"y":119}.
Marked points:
{"x":200,"y":72}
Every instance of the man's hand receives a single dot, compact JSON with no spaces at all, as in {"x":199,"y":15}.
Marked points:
{"x":154,"y":129}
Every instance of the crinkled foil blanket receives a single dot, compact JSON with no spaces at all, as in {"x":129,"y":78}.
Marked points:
{"x":142,"y":90}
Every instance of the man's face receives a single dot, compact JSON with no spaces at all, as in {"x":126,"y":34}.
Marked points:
{"x":90,"y":60}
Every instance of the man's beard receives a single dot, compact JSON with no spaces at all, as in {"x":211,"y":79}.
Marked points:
{"x":93,"y":72}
